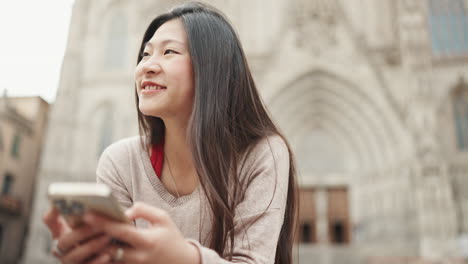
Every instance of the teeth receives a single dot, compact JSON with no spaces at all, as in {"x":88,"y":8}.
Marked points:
{"x":153,"y":87}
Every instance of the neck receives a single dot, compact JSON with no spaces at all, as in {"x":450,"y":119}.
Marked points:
{"x":177,"y":150}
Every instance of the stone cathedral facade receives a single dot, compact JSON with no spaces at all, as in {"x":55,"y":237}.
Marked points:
{"x":373,"y":96}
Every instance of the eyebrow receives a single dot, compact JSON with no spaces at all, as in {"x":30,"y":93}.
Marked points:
{"x":164,"y":42}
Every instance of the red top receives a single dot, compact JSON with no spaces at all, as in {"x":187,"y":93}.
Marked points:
{"x":157,"y":158}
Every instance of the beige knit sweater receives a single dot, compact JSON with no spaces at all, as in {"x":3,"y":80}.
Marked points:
{"x":126,"y":168}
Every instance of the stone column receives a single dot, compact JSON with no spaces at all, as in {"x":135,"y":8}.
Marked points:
{"x":321,"y":204}
{"x":437,"y":212}
{"x":433,"y":190}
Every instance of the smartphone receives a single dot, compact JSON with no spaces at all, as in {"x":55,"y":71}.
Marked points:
{"x":73,"y":199}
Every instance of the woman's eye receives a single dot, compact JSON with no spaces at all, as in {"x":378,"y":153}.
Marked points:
{"x":169,"y":51}
{"x":144,"y":54}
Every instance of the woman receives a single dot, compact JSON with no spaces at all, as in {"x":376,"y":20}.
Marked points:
{"x":210,"y":179}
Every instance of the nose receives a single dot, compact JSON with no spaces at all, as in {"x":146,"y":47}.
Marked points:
{"x":150,"y":66}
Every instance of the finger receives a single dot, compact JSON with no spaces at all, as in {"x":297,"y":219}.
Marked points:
{"x":54,"y":222}
{"x":129,"y":255}
{"x":57,"y":255}
{"x":121,"y":231}
{"x":147,"y":212}
{"x":50,"y":217}
{"x":87,"y":250}
{"x":80,"y":234}
{"x":101,"y":259}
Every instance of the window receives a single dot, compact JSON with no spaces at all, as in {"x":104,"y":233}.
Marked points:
{"x":448,"y":25}
{"x":7,"y":184}
{"x":16,"y":146}
{"x":460,"y":110}
{"x":116,"y":42}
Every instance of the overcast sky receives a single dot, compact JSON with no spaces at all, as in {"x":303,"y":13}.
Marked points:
{"x":33,"y":35}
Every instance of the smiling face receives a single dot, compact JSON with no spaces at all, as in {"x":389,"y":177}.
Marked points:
{"x":164,"y":77}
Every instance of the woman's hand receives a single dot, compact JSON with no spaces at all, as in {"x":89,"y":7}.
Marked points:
{"x":56,"y":224}
{"x":162,"y":242}
{"x":78,"y":245}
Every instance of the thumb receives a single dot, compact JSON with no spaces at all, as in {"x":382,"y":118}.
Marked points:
{"x":149,"y":213}
{"x":55,"y":222}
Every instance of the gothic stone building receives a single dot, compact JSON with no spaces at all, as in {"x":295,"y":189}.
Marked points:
{"x":371,"y":94}
{"x":22,"y":127}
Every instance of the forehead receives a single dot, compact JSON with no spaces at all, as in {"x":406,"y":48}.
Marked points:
{"x":172,"y":30}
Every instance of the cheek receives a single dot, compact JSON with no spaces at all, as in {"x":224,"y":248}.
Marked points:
{"x":188,"y":73}
{"x":137,"y":72}
{"x":183,"y":69}
{"x":183,"y":78}
{"x":189,"y":83}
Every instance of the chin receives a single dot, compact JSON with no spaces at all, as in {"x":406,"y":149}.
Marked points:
{"x":148,"y":111}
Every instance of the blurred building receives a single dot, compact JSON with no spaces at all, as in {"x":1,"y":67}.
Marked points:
{"x":373,"y":96}
{"x":22,"y":126}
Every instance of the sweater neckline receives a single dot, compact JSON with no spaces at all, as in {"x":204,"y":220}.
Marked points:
{"x":159,"y":186}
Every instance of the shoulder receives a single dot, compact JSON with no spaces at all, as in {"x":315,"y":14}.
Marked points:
{"x":266,"y":154}
{"x":123,"y":148}
{"x":266,"y":172}
{"x":271,"y":146}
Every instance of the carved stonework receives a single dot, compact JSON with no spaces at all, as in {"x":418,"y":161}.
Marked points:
{"x":438,"y":220}
{"x":414,"y":35}
{"x":315,"y":21}
{"x":422,"y":119}
{"x":431,"y":170}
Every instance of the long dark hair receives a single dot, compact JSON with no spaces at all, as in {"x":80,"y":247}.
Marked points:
{"x":228,"y":119}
